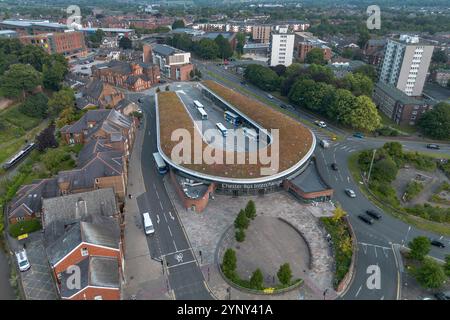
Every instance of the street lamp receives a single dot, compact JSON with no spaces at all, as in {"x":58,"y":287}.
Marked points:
{"x":407,"y":233}
{"x":371,"y":164}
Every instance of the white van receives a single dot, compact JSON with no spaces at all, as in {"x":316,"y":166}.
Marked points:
{"x":22,"y":260}
{"x":148,"y":225}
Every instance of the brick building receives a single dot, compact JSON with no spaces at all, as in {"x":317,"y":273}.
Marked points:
{"x":261,"y":33}
{"x":98,"y":93}
{"x":175,"y":64}
{"x":69,"y":44}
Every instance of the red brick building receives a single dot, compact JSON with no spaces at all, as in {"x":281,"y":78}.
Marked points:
{"x":304,"y":47}
{"x":68,"y":44}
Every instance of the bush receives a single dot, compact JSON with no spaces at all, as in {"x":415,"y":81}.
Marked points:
{"x":447,"y":265}
{"x":430,"y":275}
{"x":229,"y":264}
{"x":250,"y":210}
{"x":23,"y":227}
{"x":413,"y":189}
{"x":387,"y":132}
{"x":257,"y":280}
{"x":429,"y":212}
{"x":241,"y":221}
{"x":284,"y":274}
{"x":420,"y":246}
{"x":240,"y":235}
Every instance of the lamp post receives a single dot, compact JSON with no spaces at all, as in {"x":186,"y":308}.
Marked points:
{"x":371,"y":164}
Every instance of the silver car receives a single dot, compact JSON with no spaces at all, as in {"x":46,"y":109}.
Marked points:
{"x":22,"y":260}
{"x":350,"y":193}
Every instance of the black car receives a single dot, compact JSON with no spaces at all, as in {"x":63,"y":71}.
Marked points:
{"x":433,"y":146}
{"x":443,"y":295}
{"x":334,"y":166}
{"x":366,"y":219}
{"x":437,"y":243}
{"x":283,"y":106}
{"x":373,"y":214}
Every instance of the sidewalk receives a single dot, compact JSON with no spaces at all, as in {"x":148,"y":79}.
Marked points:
{"x":143,"y":276}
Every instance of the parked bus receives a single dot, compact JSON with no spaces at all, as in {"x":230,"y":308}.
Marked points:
{"x":222,"y":129}
{"x":19,"y":156}
{"x":198,"y":105}
{"x":231,"y":117}
{"x":203,"y":113}
{"x":160,"y":163}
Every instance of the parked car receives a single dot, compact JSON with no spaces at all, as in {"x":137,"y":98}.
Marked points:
{"x":350,"y":193}
{"x":358,"y":135}
{"x":334,"y":166}
{"x":22,"y":260}
{"x":365,"y":219}
{"x":443,"y":295}
{"x":283,"y":106}
{"x":269,"y":96}
{"x":374,"y":214}
{"x":321,"y":124}
{"x":437,"y":243}
{"x":433,"y":146}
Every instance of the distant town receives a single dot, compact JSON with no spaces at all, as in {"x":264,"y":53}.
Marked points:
{"x":255,"y":150}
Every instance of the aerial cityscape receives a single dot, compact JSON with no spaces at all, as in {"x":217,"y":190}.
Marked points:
{"x":234,"y":151}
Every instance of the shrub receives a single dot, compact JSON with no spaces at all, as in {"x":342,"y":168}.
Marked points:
{"x":447,"y":265}
{"x":413,"y":189}
{"x":23,"y":227}
{"x":284,"y":274}
{"x":430,"y":275}
{"x":240,"y":235}
{"x":229,"y":264}
{"x":241,"y":221}
{"x":250,"y":210}
{"x":420,"y":246}
{"x":257,"y":280}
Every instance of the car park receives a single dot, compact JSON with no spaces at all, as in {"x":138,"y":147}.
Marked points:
{"x":437,"y":243}
{"x":334,"y":166}
{"x":373,"y":214}
{"x":350,"y":193}
{"x":433,"y":146}
{"x":22,"y":260}
{"x":365,"y":219}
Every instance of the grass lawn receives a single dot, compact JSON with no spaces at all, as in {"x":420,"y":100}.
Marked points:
{"x":386,"y":121}
{"x":441,"y":228}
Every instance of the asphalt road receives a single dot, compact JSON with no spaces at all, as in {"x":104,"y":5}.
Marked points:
{"x":169,"y":243}
{"x":376,"y":254}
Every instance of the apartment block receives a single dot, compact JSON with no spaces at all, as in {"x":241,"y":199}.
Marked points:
{"x":281,"y":48}
{"x":69,"y":44}
{"x":261,"y":33}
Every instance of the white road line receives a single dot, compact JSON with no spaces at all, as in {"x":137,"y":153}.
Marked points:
{"x":170,"y":231}
{"x":180,"y":264}
{"x":157,"y":194}
{"x":376,"y":255}
{"x":175,"y":252}
{"x":171,"y":216}
{"x":165,"y":218}
{"x":382,"y":298}
{"x":175,"y":245}
{"x":374,"y":245}
{"x":348,"y":179}
{"x":157,"y":219}
{"x":359,"y":290}
{"x":161,"y":205}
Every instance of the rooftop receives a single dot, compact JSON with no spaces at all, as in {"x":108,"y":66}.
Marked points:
{"x":398,"y":94}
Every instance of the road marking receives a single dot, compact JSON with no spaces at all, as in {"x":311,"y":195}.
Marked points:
{"x":180,"y":264}
{"x":170,"y":231}
{"x":376,"y":255}
{"x":157,"y":194}
{"x":171,"y":216}
{"x":348,"y":179}
{"x":161,"y":205}
{"x":365,"y":248}
{"x":175,"y":252}
{"x":359,"y":290}
{"x":175,"y":245}
{"x":157,"y":219}
{"x":382,"y":298}
{"x":165,"y":218}
{"x":374,"y":245}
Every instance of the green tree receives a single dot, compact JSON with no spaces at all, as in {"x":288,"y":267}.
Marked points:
{"x":367,"y":70}
{"x":35,"y":106}
{"x":19,"y":80}
{"x":430,"y":275}
{"x":385,"y":170}
{"x":363,"y":37}
{"x":312,"y":95}
{"x":315,"y":56}
{"x":358,"y":83}
{"x":439,"y":56}
{"x":284,"y":274}
{"x":420,"y":246}
{"x":207,"y":49}
{"x":436,"y":122}
{"x":229,"y":263}
{"x":125,"y":43}
{"x":240,"y":235}
{"x":241,"y":221}
{"x":225,"y":50}
{"x":341,"y":106}
{"x":240,"y":38}
{"x":262,"y":77}
{"x":63,"y":99}
{"x":338,"y":214}
{"x":257,"y":280}
{"x":178,"y":24}
{"x":53,"y":75}
{"x":394,"y":149}
{"x":447,"y":265}
{"x":250,"y":210}
{"x":96,"y":38}
{"x":365,"y":114}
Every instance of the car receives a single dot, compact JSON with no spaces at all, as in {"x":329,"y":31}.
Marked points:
{"x":334,"y":166}
{"x":358,"y":135}
{"x":433,"y":146}
{"x":365,"y":219}
{"x":283,"y":106}
{"x":350,"y":193}
{"x":22,"y":260}
{"x":162,"y":81}
{"x":437,"y":243}
{"x":269,"y":96}
{"x":442,"y":295}
{"x":148,"y":224}
{"x":243,"y":83}
{"x":321,"y":124}
{"x":84,"y":68}
{"x":374,"y":214}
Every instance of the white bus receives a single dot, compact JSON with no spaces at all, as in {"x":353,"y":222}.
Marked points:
{"x":203,"y":113}
{"x":222,"y":129}
{"x":231,"y":117}
{"x":197,"y":104}
{"x":160,"y":163}
{"x":251,"y":133}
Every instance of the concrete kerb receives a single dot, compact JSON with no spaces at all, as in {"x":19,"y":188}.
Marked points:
{"x":187,"y":238}
{"x":218,"y":255}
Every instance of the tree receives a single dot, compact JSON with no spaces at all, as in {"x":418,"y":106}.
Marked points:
{"x":35,"y":106}
{"x":420,"y":246}
{"x":229,"y":263}
{"x":96,"y":38}
{"x":18,"y":80}
{"x":358,"y":84}
{"x":338,"y":214}
{"x":439,"y":56}
{"x":241,"y":221}
{"x":279,"y":69}
{"x":367,"y":70}
{"x":430,"y":275}
{"x":365,"y":114}
{"x":63,"y":99}
{"x":312,"y":95}
{"x":207,"y":49}
{"x":250,"y":210}
{"x":257,"y":280}
{"x":240,"y":38}
{"x":158,"y":90}
{"x":262,"y":77}
{"x":167,"y":88}
{"x":178,"y":24}
{"x":363,"y":37}
{"x":46,"y":139}
{"x":225,"y":50}
{"x":447,"y":265}
{"x":125,"y":43}
{"x":436,"y":122}
{"x":341,"y":106}
{"x":385,"y":170}
{"x":315,"y":56}
{"x":53,"y":75}
{"x":284,"y":274}
{"x":240,"y":235}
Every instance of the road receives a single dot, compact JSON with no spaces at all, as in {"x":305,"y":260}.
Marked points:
{"x":169,"y":243}
{"x":376,"y":243}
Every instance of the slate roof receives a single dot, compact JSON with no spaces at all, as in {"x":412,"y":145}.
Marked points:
{"x":92,"y":147}
{"x":29,"y":198}
{"x":95,"y":271}
{"x":124,"y":103}
{"x":94,"y":89}
{"x":97,"y":116}
{"x":163,"y":49}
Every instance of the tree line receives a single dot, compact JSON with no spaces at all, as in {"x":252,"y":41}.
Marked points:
{"x":205,"y":48}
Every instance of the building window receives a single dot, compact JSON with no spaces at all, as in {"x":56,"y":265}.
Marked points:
{"x":84,"y":252}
